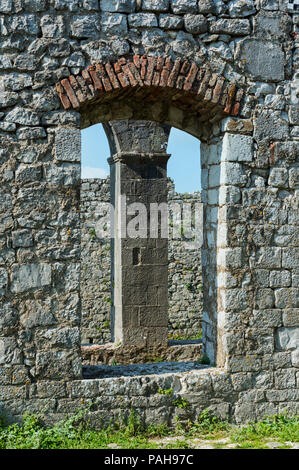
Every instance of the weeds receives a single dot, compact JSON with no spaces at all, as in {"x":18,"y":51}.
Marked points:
{"x":132,"y":433}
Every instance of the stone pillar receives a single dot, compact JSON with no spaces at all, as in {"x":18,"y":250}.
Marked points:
{"x":139,"y":249}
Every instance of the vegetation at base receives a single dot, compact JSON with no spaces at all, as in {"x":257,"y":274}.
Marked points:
{"x":74,"y":433}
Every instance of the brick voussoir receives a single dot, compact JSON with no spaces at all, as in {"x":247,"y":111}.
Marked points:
{"x":70,"y":93}
{"x":141,"y":71}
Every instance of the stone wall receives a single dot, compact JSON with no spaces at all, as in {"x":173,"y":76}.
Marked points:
{"x":185,"y":281}
{"x":227,"y":73}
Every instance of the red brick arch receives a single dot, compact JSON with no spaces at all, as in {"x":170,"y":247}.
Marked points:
{"x":183,"y":83}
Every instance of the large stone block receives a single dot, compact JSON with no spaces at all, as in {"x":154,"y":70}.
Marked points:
{"x":68,"y":145}
{"x":263,"y":60}
{"x":270,"y":125}
{"x":270,"y":25}
{"x":232,"y":173}
{"x":236,"y":147}
{"x":30,"y":276}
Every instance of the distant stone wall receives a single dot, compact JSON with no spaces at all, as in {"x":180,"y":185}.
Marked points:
{"x":185,"y":281}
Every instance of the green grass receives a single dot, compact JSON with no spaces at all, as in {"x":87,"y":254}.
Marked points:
{"x":279,"y":428}
{"x":74,"y":433}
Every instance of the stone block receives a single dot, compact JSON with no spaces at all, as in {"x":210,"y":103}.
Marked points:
{"x":114,"y":23}
{"x":264,"y":298}
{"x":280,"y":279}
{"x":25,"y":23}
{"x":206,"y":6}
{"x":28,"y":174}
{"x":142,"y":20}
{"x":30,"y":276}
{"x":267,"y":318}
{"x":155,"y":5}
{"x":8,"y":98}
{"x":294,"y":115}
{"x":233,"y":27}
{"x":237,"y":147}
{"x":278,"y":177}
{"x":68,"y":145}
{"x":9,"y":351}
{"x":183,"y":6}
{"x":71,"y":5}
{"x":286,"y":297}
{"x":245,"y":412}
{"x":263,"y":60}
{"x":6,"y":6}
{"x":214,"y":176}
{"x":170,"y":22}
{"x":229,"y":257}
{"x":232,"y":174}
{"x":22,"y":238}
{"x":3,"y":281}
{"x":48,"y":390}
{"x":28,"y":133}
{"x":65,"y":338}
{"x":14,"y":82}
{"x":195,"y":24}
{"x":267,"y":25}
{"x":285,"y":379}
{"x":270,"y":125}
{"x":234,"y":299}
{"x":38,"y":313}
{"x":118,"y":6}
{"x":52,"y":27}
{"x":295,"y":358}
{"x":294,"y":178}
{"x":229,"y":195}
{"x":276,"y":102}
{"x":64,"y":174}
{"x":268,"y":257}
{"x":85,"y":26}
{"x":290,"y":317}
{"x":241,"y":8}
{"x":287,"y":339}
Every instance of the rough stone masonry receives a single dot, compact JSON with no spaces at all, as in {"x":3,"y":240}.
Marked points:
{"x":227,"y":73}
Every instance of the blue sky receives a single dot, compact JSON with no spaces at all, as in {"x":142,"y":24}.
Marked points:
{"x":183,"y":166}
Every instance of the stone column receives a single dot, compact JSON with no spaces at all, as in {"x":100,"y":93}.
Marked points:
{"x":139,"y":249}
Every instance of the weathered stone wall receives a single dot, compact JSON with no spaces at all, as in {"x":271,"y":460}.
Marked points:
{"x":236,"y":58}
{"x":184,"y":284}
